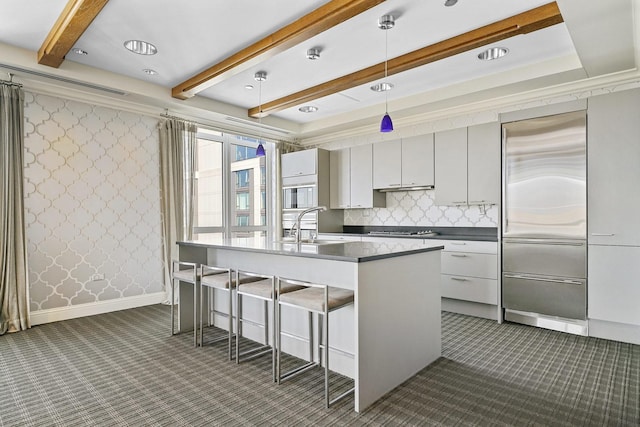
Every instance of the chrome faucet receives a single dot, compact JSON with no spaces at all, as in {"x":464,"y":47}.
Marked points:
{"x":299,"y":218}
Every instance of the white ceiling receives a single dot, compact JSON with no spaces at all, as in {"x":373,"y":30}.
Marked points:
{"x":193,"y":35}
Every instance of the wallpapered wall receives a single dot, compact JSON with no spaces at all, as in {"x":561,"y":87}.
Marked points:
{"x":417,"y":208}
{"x":92,"y":203}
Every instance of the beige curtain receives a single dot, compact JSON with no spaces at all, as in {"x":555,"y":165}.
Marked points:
{"x":14,"y":282}
{"x":177,"y":162}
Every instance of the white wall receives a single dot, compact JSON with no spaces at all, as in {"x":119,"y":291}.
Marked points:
{"x":92,"y":204}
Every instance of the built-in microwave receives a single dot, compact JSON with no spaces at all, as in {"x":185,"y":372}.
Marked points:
{"x":299,"y":197}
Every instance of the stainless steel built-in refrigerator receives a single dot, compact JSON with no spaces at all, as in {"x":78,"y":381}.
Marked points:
{"x":544,"y":220}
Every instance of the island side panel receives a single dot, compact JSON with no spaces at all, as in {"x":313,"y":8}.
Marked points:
{"x":187,"y":313}
{"x":398,"y":322}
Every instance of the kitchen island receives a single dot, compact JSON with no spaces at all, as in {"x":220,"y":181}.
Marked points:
{"x":393,"y":329}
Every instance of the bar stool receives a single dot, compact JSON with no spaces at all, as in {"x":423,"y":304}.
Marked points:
{"x":186,"y":272}
{"x":319,"y":299}
{"x":217,"y":278}
{"x":262,"y":288}
{"x":223,"y":279}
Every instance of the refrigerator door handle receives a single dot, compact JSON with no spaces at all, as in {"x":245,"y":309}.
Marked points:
{"x":542,"y":279}
{"x":544,"y":242}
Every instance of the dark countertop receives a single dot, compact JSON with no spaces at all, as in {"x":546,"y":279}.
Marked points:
{"x":339,"y":251}
{"x":484,"y":234}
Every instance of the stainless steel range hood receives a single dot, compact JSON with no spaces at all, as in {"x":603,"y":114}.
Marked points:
{"x":422,"y":187}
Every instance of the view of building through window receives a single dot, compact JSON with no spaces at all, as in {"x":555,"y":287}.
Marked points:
{"x":219,"y":156}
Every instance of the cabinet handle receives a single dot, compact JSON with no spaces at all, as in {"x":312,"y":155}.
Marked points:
{"x":460,"y":279}
{"x":455,"y":243}
{"x":395,"y":185}
{"x":542,"y":279}
{"x":477,"y":201}
{"x":459,"y":255}
{"x":603,"y":234}
{"x":460,"y":203}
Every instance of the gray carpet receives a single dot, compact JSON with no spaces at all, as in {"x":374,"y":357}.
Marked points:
{"x":123,"y":369}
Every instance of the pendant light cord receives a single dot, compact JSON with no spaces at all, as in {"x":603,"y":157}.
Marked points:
{"x":386,"y":59}
{"x":260,"y":111}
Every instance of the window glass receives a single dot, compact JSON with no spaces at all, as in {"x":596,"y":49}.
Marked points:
{"x":249,"y":185}
{"x":208,"y":184}
{"x":242,"y":220}
{"x":231,"y":186}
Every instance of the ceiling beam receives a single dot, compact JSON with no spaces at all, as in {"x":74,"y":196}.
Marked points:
{"x":72,"y":22}
{"x":329,"y":15}
{"x":526,"y":22}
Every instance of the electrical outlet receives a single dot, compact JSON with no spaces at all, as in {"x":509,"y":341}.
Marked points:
{"x":99,"y":276}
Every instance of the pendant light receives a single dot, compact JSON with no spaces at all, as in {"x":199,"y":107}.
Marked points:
{"x":386,"y":22}
{"x":260,"y":76}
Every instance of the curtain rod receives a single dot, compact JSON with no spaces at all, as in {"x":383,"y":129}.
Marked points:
{"x":221,"y":129}
{"x":10,"y":82}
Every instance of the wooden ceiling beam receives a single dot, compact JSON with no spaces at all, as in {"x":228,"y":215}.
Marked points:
{"x":72,"y":22}
{"x":526,"y":22}
{"x":310,"y":25}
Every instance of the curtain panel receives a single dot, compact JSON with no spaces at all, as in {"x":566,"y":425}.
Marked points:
{"x":14,"y":281}
{"x":177,"y":161}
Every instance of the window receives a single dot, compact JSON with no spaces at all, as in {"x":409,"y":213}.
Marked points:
{"x":231,"y":186}
{"x":242,"y":201}
{"x":242,"y":220}
{"x":208,"y":206}
{"x":242,"y":178}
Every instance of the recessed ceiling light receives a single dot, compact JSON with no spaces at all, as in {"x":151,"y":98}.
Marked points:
{"x":150,"y":71}
{"x":308,"y":109}
{"x":248,"y":87}
{"x":382,"y":87}
{"x":140,"y":47}
{"x":313,"y":54}
{"x":79,"y":51}
{"x":493,"y":53}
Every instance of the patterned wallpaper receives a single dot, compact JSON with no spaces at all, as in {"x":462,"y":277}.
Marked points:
{"x":408,"y":208}
{"x":92,"y":203}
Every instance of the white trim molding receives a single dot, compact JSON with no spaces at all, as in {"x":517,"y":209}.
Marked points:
{"x":90,"y":309}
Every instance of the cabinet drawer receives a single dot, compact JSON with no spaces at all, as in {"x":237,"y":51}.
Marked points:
{"x":470,"y":264}
{"x":470,"y":246}
{"x":470,"y":289}
{"x":345,"y":237}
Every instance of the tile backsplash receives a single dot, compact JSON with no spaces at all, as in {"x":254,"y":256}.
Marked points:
{"x":417,"y":208}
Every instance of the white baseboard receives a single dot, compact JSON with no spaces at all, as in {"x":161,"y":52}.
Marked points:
{"x":81,"y":310}
{"x":469,"y":308}
{"x":614,"y":331}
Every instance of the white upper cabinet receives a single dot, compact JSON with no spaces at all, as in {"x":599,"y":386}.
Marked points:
{"x":387,"y":164}
{"x":483,"y":164}
{"x":418,"y":161}
{"x":467,"y":165}
{"x":299,"y":163}
{"x":340,"y":179}
{"x":403,"y":163}
{"x":451,"y":167}
{"x":613,"y":153}
{"x":352,"y":179}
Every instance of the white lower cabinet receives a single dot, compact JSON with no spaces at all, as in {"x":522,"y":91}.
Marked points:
{"x":469,"y":272}
{"x":614,"y":287}
{"x":470,"y":276}
{"x":343,"y":237}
